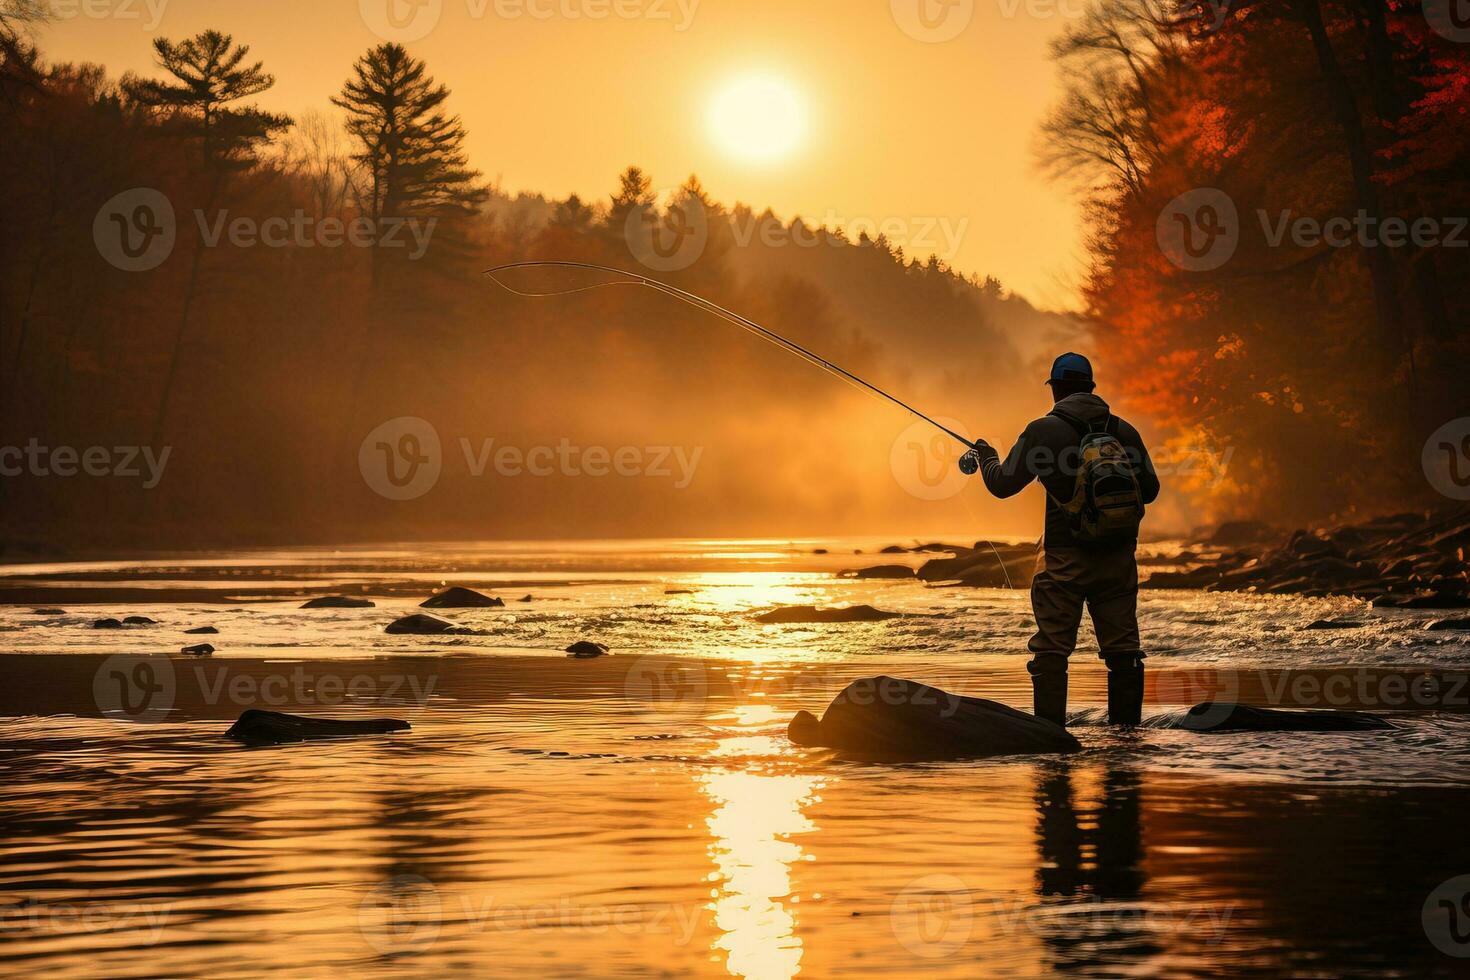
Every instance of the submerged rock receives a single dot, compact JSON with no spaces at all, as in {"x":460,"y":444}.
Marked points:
{"x":203,"y":629}
{"x":198,"y":650}
{"x":107,"y":624}
{"x":256,"y":727}
{"x":586,"y":650}
{"x":1211,"y":716}
{"x":524,"y":598}
{"x":811,"y":614}
{"x":460,"y":598}
{"x":888,"y":717}
{"x":139,"y":621}
{"x":420,"y":625}
{"x":48,"y":612}
{"x":1335,"y":624}
{"x":338,"y":602}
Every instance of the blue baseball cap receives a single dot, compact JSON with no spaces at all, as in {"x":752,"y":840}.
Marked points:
{"x":1070,"y":367}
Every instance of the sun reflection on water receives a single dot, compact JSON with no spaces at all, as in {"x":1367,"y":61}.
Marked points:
{"x":756,"y":813}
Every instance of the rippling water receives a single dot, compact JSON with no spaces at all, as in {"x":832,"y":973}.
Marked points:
{"x":644,"y":814}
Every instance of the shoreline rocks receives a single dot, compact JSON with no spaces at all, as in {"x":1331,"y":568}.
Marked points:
{"x":879,"y":571}
{"x":586,"y":650}
{"x":985,"y":566}
{"x":1404,"y":561}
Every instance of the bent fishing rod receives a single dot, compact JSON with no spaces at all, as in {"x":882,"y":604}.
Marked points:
{"x":707,"y":306}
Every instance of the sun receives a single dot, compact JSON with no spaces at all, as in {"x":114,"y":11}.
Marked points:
{"x":758,"y":119}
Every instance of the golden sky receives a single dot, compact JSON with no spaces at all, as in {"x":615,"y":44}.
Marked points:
{"x":893,"y":124}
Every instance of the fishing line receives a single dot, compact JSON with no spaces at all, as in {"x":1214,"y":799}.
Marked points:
{"x":707,"y":306}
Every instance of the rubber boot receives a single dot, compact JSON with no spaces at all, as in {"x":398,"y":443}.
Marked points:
{"x":1049,"y":697}
{"x":1125,"y":691}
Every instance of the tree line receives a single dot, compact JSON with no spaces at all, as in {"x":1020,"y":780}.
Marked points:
{"x":262,"y":369}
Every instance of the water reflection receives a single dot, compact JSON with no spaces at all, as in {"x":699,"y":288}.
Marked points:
{"x":756,"y":812}
{"x":1089,"y":874}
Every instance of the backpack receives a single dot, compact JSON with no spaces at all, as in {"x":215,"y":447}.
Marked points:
{"x":1106,"y":503}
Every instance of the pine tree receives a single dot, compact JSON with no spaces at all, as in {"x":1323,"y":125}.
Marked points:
{"x":209,"y":72}
{"x":635,"y":191}
{"x":410,"y":149}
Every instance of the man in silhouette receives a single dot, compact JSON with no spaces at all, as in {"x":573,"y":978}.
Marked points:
{"x":1102,"y":575}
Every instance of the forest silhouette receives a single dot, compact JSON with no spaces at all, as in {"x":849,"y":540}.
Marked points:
{"x":263,"y":367}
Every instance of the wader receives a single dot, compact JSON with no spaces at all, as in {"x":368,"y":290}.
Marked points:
{"x":1105,"y":578}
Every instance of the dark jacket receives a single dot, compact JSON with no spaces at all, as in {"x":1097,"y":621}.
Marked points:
{"x":1048,"y":451}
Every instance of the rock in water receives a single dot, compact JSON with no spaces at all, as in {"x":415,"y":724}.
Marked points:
{"x":458,"y":598}
{"x":337,"y":602}
{"x":198,"y":650}
{"x":209,"y":630}
{"x":892,"y":718}
{"x":420,"y":625}
{"x":1211,"y":716}
{"x":586,"y":650}
{"x":1449,"y":624}
{"x":881,"y":572}
{"x":1334,"y":624}
{"x":256,"y":727}
{"x":139,"y":621}
{"x":811,"y":614}
{"x":107,"y":624}
{"x":48,"y":612}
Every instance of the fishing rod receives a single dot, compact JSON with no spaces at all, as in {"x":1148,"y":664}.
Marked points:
{"x":707,"y":306}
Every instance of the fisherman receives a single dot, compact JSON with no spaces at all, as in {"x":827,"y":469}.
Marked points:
{"x":1098,"y":478}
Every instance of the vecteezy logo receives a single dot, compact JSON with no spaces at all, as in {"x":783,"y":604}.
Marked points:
{"x":133,"y":688}
{"x":933,"y":917}
{"x":400,"y":20}
{"x":667,"y":687}
{"x":1449,"y":18}
{"x":1199,"y":230}
{"x":134,"y":231}
{"x":400,"y":915}
{"x":1214,"y":692}
{"x":1446,"y":459}
{"x":668,"y":239}
{"x":401,"y":459}
{"x":925,"y":461}
{"x":1446,"y":917}
{"x":932,"y":21}
{"x":1213,"y":14}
